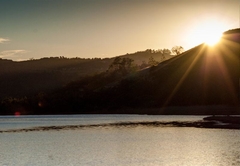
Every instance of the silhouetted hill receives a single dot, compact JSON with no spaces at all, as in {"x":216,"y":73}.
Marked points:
{"x":29,"y":77}
{"x":18,"y":79}
{"x":203,"y":77}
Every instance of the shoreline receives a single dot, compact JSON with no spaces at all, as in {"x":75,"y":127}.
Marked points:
{"x":210,"y":122}
{"x":224,"y":122}
{"x":205,"y":110}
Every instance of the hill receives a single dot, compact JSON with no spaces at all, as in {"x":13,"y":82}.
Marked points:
{"x":25,"y":78}
{"x":204,"y":79}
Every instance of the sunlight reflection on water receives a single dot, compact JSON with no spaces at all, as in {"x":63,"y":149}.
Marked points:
{"x":120,"y":146}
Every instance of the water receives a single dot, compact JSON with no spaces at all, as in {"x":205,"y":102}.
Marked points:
{"x":115,"y":145}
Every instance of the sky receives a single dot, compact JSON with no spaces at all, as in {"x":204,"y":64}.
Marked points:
{"x":107,"y":28}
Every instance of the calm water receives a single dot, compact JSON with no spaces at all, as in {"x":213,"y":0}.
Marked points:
{"x":115,"y":145}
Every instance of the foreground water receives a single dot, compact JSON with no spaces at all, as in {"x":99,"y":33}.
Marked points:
{"x":120,"y":145}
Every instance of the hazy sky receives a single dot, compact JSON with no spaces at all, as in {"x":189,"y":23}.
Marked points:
{"x":106,"y":28}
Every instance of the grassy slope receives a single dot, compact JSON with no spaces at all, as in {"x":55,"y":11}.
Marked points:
{"x":202,"y":75}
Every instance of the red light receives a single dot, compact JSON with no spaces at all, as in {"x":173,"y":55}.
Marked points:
{"x":17,"y":113}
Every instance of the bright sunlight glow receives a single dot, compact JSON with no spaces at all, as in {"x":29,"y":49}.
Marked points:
{"x":212,"y":37}
{"x":210,"y":33}
{"x":207,"y":31}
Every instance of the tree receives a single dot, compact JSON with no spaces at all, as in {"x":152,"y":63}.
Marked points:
{"x":121,"y":65}
{"x":177,"y":50}
{"x":152,"y":62}
{"x":143,"y":65}
{"x":164,"y":51}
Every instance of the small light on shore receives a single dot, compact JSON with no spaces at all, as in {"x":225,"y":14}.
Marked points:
{"x":17,"y":113}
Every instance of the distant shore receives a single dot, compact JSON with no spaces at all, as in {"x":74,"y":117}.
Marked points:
{"x":177,"y":110}
{"x":169,"y":110}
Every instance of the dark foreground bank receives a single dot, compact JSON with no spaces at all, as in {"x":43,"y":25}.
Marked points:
{"x":225,"y":122}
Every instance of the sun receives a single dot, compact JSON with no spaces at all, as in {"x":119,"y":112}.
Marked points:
{"x":210,"y":33}
{"x":212,"y":37}
{"x":206,"y":31}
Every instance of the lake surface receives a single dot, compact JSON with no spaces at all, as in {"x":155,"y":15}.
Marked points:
{"x":111,"y":145}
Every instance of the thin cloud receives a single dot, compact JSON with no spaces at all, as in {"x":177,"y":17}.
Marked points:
{"x":11,"y":53}
{"x":2,"y":40}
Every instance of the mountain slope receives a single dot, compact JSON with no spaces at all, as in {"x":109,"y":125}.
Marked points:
{"x":18,"y":79}
{"x":203,"y":76}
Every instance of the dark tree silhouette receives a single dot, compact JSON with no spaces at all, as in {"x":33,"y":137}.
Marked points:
{"x":177,"y":50}
{"x":152,"y":62}
{"x":121,"y":65}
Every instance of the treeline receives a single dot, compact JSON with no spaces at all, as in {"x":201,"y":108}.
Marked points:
{"x":125,"y":88}
{"x":66,"y":85}
{"x":89,"y":94}
{"x":62,"y":63}
{"x":174,"y":83}
{"x":26,"y":78}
